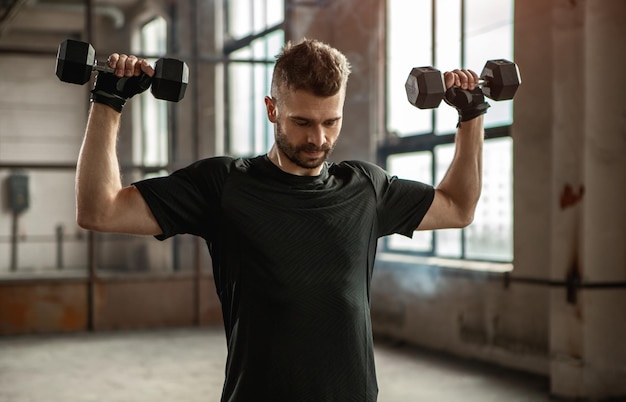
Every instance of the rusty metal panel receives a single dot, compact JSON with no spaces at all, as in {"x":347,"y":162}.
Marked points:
{"x":42,"y":307}
{"x":120,"y":301}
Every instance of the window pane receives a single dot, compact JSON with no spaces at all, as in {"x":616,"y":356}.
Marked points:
{"x":447,"y":55}
{"x":408,"y":45}
{"x":411,"y":166}
{"x":153,"y":147}
{"x":496,"y":29}
{"x":154,"y":36}
{"x":490,"y":236}
{"x":241,"y":109}
{"x":154,"y":128}
{"x":239,"y":18}
{"x":246,"y":17}
{"x":275,"y":12}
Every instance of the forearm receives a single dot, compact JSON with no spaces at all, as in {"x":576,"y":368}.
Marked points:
{"x":98,"y":175}
{"x":463,"y":181}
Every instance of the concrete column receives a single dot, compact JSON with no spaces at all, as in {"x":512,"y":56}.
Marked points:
{"x":588,"y":218}
{"x":604,"y":215}
{"x":567,"y":190}
{"x":532,"y":131}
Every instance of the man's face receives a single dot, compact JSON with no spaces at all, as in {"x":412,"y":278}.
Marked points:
{"x":306,"y":129}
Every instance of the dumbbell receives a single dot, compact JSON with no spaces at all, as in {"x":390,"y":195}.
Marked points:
{"x":76,"y":61}
{"x":499,"y":80}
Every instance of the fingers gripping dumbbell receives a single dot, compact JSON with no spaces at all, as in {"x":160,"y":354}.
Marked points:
{"x":76,"y":61}
{"x":499,"y":80}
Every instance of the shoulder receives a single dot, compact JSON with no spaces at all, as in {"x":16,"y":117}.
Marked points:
{"x":208,"y":173}
{"x":209,"y":164}
{"x":367,"y":170}
{"x":217,"y":166}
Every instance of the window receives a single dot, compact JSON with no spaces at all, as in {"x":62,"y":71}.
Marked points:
{"x":448,"y":34}
{"x":255,"y":35}
{"x":151,"y":145}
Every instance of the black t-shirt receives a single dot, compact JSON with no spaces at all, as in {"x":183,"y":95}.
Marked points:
{"x":292,"y":260}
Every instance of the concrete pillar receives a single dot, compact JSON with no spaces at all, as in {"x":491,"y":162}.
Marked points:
{"x":532,"y":131}
{"x":588,"y":359}
{"x":604,"y":215}
{"x":568,"y":144}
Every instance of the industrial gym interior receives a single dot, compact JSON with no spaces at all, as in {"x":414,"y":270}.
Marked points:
{"x":528,"y":303}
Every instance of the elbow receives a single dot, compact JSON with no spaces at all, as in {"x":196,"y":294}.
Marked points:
{"x":85,"y":221}
{"x":465,"y":216}
{"x":467,"y":211}
{"x":89,"y":220}
{"x":466,"y":219}
{"x":92,"y":213}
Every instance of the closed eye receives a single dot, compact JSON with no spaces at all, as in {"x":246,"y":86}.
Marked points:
{"x":331,"y":123}
{"x":302,"y":122}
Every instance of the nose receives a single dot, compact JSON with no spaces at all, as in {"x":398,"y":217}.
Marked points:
{"x":317,"y":136}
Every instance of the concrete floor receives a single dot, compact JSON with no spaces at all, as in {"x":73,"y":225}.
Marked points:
{"x":186,"y":365}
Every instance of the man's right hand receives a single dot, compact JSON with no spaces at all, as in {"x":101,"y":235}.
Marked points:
{"x":130,"y":77}
{"x":129,"y":65}
{"x":463,"y":93}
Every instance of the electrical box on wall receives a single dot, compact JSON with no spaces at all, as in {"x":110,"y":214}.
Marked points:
{"x":18,"y":192}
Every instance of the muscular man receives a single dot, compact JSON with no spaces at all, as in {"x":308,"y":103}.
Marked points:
{"x":292,"y":236}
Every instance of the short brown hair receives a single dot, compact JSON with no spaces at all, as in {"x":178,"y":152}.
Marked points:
{"x":312,"y":66}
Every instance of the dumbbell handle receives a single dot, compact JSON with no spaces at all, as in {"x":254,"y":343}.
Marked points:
{"x":103,"y":68}
{"x":482,"y":83}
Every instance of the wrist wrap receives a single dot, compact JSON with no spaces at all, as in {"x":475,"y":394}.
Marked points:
{"x":114,"y":91}
{"x":469,"y":104}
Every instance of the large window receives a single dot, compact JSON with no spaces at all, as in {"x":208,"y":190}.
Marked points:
{"x":449,"y":34}
{"x":255,"y":35}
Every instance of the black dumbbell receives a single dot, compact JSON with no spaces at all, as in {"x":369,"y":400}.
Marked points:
{"x":76,"y":61}
{"x":499,"y":80}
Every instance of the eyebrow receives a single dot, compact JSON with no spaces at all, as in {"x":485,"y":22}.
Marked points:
{"x":301,"y":118}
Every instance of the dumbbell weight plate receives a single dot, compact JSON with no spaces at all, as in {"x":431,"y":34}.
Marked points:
{"x":170,"y":79}
{"x":502,"y":79}
{"x":425,"y":88}
{"x":75,"y":61}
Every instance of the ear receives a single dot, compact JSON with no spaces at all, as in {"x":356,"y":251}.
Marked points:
{"x":270,"y":106}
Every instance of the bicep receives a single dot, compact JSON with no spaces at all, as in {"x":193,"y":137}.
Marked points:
{"x":130,"y":214}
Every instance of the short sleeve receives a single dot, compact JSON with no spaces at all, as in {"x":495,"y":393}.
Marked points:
{"x":188,"y":200}
{"x":401,"y":204}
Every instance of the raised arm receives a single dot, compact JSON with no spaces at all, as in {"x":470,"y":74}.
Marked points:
{"x":456,"y":196}
{"x":102,"y":204}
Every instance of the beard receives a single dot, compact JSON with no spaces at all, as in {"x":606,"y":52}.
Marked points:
{"x":297,"y":154}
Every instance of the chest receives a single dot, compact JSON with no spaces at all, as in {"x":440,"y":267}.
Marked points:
{"x":278,"y":228}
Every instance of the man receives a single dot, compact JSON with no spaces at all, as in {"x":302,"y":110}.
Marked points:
{"x":292,"y":237}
